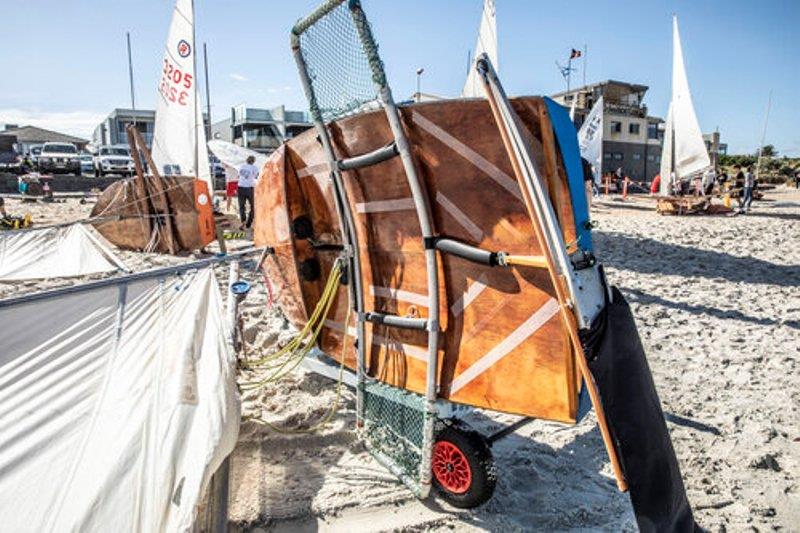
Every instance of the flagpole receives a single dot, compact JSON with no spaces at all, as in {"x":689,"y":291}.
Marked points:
{"x":585,"y":56}
{"x":130,"y":71}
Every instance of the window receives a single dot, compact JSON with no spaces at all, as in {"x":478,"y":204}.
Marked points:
{"x":633,"y":128}
{"x":637,"y":157}
{"x":618,"y":156}
{"x":616,"y":126}
{"x":607,"y":155}
{"x":652,"y":131}
{"x":651,"y":157}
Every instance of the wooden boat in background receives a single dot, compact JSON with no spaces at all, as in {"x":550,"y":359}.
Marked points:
{"x":503,"y":345}
{"x":169,"y":214}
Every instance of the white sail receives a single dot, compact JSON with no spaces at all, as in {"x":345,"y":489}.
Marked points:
{"x":179,"y":138}
{"x":590,"y":139}
{"x":234,"y":155}
{"x":687,"y":152}
{"x":487,"y":44}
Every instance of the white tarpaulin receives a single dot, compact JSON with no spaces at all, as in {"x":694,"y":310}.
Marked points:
{"x":682,"y":135}
{"x":117,"y":404}
{"x":54,"y":252}
{"x":590,"y":139}
{"x":234,"y":155}
{"x":487,"y":44}
{"x":179,"y":136}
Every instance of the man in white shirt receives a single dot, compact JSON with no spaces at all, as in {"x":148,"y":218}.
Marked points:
{"x":248,"y":178}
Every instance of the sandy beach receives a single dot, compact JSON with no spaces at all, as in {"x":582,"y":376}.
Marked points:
{"x":717,"y":303}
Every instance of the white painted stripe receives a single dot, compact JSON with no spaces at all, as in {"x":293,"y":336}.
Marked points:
{"x":502,"y":179}
{"x":461,"y":217}
{"x":470,"y":294}
{"x":383,"y":206}
{"x":401,"y":295}
{"x":407,"y":349}
{"x":313,"y":169}
{"x":528,"y":328}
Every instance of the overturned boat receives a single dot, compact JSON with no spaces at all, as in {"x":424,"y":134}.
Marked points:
{"x":457,"y":233}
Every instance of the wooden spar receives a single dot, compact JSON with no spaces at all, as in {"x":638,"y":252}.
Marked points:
{"x":559,"y":284}
{"x":139,"y":183}
{"x":158,"y":185}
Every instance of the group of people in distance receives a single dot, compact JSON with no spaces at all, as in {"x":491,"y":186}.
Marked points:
{"x":704,"y":185}
{"x":241,"y":183}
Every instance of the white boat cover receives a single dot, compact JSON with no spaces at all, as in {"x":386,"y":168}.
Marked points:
{"x":54,"y":252}
{"x":682,"y":135}
{"x":117,"y":404}
{"x":179,"y":136}
{"x":590,"y":139}
{"x":234,"y":155}
{"x":487,"y":44}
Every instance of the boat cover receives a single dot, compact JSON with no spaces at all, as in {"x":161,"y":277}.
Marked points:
{"x":619,"y":367}
{"x":54,"y":252}
{"x":117,"y":404}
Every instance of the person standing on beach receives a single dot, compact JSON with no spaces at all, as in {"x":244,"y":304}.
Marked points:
{"x":231,"y":184}
{"x":797,"y":179}
{"x":747,"y":192}
{"x":248,"y":177}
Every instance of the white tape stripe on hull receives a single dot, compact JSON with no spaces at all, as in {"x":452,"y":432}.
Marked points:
{"x":384,"y":206}
{"x":506,"y":346}
{"x":474,"y":231}
{"x":502,"y":179}
{"x":313,"y":170}
{"x":416,"y":352}
{"x":396,"y":294}
{"x":469,"y":295}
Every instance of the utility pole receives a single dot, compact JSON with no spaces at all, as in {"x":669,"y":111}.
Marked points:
{"x":763,"y":134}
{"x":208,"y":93}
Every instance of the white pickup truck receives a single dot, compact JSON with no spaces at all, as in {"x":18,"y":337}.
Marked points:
{"x":113,"y":160}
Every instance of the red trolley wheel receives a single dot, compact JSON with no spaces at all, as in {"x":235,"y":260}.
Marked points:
{"x":463,"y":468}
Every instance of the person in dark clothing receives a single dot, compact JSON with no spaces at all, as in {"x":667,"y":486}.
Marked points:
{"x":797,"y":179}
{"x":248,"y":178}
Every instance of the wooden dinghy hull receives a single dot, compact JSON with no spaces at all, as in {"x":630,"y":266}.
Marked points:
{"x":127,"y":215}
{"x":503,"y":344}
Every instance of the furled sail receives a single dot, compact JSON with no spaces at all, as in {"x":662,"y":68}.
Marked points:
{"x":235,"y":155}
{"x":684,"y":151}
{"x":487,"y":44}
{"x":590,"y":139}
{"x":179,"y":139}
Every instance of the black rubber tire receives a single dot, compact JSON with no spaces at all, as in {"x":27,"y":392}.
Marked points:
{"x":481,"y":463}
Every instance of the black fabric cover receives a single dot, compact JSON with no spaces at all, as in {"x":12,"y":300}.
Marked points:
{"x":619,"y":366}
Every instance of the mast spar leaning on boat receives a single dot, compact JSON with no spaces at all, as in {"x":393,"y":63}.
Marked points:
{"x":684,"y":151}
{"x":179,"y":139}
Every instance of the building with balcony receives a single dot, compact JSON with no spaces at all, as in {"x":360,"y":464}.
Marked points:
{"x":632,"y":138}
{"x":112,"y":129}
{"x":262,"y":130}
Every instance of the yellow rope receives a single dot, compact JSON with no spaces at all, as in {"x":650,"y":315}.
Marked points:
{"x":296,"y":354}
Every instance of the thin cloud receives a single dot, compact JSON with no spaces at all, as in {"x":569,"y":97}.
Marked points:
{"x":80,"y":123}
{"x":238,"y":77}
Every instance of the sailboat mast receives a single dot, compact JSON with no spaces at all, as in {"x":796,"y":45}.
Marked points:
{"x":763,"y":135}
{"x":196,"y":95}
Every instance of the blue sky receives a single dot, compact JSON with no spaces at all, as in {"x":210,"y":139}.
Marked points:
{"x":63,"y":62}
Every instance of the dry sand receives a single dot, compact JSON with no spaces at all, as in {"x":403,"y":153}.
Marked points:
{"x":717,"y":301}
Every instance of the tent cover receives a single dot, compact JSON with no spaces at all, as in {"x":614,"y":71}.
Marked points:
{"x":117,"y":404}
{"x":54,"y":252}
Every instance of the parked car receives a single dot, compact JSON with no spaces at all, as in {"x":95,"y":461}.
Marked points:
{"x":113,"y":160}
{"x":36,"y":151}
{"x":10,"y":161}
{"x":59,"y":158}
{"x":87,"y":163}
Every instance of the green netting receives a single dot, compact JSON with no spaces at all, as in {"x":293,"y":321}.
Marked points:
{"x":394,"y":424}
{"x":344,"y":68}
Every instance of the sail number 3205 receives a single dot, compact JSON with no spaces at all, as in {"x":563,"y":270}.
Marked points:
{"x":175,"y":84}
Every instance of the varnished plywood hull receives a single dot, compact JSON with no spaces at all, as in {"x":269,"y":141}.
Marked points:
{"x":503,"y":345}
{"x":127,"y":215}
